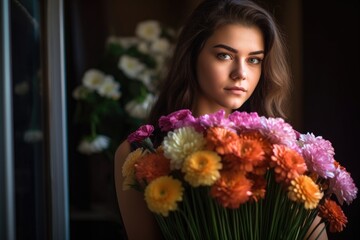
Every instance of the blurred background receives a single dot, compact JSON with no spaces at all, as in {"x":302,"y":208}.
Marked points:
{"x":57,"y":138}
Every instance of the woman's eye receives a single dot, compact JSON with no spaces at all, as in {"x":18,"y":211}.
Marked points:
{"x":224,"y":56}
{"x":254,"y":60}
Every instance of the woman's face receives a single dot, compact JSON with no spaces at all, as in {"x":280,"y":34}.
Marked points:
{"x":228,"y":68}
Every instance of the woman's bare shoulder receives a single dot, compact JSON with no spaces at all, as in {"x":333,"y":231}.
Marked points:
{"x":122,"y":151}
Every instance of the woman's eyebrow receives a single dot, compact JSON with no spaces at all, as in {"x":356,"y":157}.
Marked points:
{"x":236,"y":51}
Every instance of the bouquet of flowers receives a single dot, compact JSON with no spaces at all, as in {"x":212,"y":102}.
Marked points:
{"x":243,"y":176}
{"x":124,"y":86}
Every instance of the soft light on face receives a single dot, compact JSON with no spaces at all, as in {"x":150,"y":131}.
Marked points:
{"x":229,"y":68}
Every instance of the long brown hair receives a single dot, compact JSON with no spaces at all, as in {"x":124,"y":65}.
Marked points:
{"x":180,"y":86}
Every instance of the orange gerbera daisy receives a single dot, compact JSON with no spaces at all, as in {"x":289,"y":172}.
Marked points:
{"x":220,"y":140}
{"x":332,"y":212}
{"x":303,"y":189}
{"x":287,"y":163}
{"x":232,"y":189}
{"x":151,"y":166}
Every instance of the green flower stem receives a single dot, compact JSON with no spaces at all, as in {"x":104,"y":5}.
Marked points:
{"x":257,"y":221}
{"x":213,"y":217}
{"x":147,"y":144}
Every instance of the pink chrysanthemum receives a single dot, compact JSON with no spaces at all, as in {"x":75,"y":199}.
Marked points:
{"x":141,"y":133}
{"x":343,"y":186}
{"x":178,"y":119}
{"x":245,"y":121}
{"x":216,"y":119}
{"x":318,"y":154}
{"x":279,"y":132}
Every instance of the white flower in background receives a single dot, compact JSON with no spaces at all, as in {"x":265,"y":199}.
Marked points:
{"x":125,"y":42}
{"x":139,"y":58}
{"x":148,"y":30}
{"x":130,"y":66}
{"x":33,"y":135}
{"x":161,"y":46}
{"x":21,"y":88}
{"x":80,"y":92}
{"x":143,"y":47}
{"x":160,"y":62}
{"x":140,"y":110}
{"x":110,"y":88}
{"x":93,"y":79}
{"x":147,"y":78}
{"x":97,"y":145}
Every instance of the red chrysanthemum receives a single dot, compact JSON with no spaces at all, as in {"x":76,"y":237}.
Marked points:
{"x":332,"y":212}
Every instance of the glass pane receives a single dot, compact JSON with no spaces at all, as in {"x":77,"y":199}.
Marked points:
{"x":28,"y":112}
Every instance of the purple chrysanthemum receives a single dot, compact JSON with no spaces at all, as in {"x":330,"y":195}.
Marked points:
{"x":279,"y":132}
{"x":245,"y":121}
{"x":178,"y":119}
{"x":318,"y":154}
{"x":141,"y":133}
{"x":343,"y":186}
{"x":215,"y":119}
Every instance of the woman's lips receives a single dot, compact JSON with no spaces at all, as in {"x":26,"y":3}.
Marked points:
{"x":236,"y":90}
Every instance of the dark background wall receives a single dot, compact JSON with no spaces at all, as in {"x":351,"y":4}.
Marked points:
{"x":331,"y":98}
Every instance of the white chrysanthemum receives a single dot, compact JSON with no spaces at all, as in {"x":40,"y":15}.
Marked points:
{"x":33,"y":135}
{"x":148,"y":30}
{"x":140,"y":110}
{"x":21,"y":88}
{"x":97,"y":145}
{"x":181,"y":143}
{"x":93,"y":79}
{"x":110,"y":88}
{"x":131,"y":66}
{"x":161,"y":45}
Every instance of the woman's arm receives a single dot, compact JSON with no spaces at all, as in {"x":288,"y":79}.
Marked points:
{"x":316,"y":232}
{"x":138,"y":220}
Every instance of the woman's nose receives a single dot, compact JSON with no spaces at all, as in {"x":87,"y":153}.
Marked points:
{"x":239,"y":73}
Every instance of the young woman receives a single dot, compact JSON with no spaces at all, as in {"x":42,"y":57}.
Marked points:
{"x":230,"y":55}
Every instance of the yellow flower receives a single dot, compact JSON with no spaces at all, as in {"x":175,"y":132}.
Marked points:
{"x":162,"y":195}
{"x":181,"y":143}
{"x":128,"y":168}
{"x":202,"y":168}
{"x":304,"y":189}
